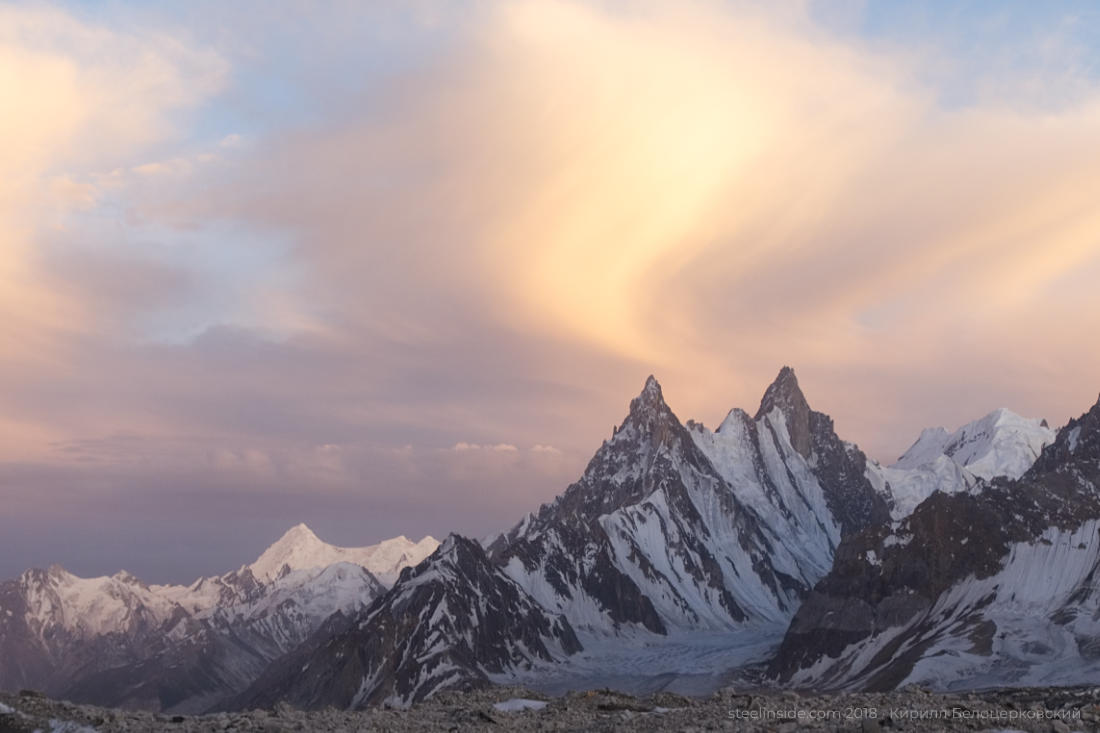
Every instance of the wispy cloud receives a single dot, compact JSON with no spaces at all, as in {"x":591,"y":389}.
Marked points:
{"x":432,"y":268}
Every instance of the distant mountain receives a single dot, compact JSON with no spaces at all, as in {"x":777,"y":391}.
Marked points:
{"x":451,"y":622}
{"x":117,"y":641}
{"x":300,"y":549}
{"x":1000,"y":445}
{"x":995,"y":587}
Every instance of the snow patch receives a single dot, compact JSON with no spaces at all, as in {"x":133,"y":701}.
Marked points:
{"x":69,"y":726}
{"x":897,"y":540}
{"x":519,"y":704}
{"x":1072,"y":438}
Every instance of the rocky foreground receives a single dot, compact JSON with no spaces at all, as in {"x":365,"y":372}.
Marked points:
{"x":506,"y":709}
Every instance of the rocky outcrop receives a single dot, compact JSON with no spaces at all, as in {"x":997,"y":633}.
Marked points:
{"x":995,"y":586}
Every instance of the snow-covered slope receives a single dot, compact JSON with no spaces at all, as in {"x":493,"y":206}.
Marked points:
{"x":906,"y":488}
{"x":301,"y":549}
{"x":675,"y":528}
{"x":116,"y":641}
{"x":993,"y":587}
{"x":90,"y":607}
{"x":453,"y":621}
{"x":1001,"y":444}
{"x":55,"y":625}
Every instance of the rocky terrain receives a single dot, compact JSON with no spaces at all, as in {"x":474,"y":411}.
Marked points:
{"x":120,"y":642}
{"x":515,"y":709}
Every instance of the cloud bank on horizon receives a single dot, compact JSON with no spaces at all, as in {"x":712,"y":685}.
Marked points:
{"x":398,"y":270}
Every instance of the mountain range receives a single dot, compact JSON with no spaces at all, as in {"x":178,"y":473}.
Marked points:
{"x":117,"y":641}
{"x":681,"y":555}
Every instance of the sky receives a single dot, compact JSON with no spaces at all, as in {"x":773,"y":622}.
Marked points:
{"x":398,"y":268}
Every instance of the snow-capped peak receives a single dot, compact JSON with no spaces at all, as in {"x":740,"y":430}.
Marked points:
{"x":1000,"y":444}
{"x":733,"y":420}
{"x":786,"y":396}
{"x":297,"y":549}
{"x":301,"y":549}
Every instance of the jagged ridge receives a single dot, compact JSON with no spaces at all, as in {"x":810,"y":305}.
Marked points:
{"x":992,"y":587}
{"x":453,"y":621}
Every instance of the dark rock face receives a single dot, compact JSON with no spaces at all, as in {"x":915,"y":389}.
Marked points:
{"x":839,"y":467}
{"x":889,"y":588}
{"x":785,"y":395}
{"x":449,"y":623}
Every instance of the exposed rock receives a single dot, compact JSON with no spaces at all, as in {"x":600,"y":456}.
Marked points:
{"x":979,"y":586}
{"x":675,"y":527}
{"x":449,"y":623}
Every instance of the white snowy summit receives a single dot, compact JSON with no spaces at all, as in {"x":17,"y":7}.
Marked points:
{"x":1001,"y":444}
{"x":301,"y":549}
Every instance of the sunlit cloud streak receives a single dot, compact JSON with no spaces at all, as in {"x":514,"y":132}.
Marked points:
{"x":438,"y":285}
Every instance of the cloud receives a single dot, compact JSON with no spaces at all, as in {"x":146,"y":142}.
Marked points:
{"x":463,"y":447}
{"x":707,"y":193}
{"x":422,"y":285}
{"x":78,"y":99}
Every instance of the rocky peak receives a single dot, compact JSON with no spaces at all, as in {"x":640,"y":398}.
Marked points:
{"x":785,"y":395}
{"x":648,"y":408}
{"x":456,"y":550}
{"x":1077,"y":443}
{"x":651,"y":391}
{"x":620,"y":473}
